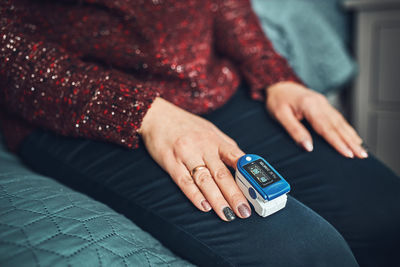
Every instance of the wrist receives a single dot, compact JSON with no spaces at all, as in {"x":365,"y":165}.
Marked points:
{"x":281,"y":84}
{"x":284,"y":84}
{"x":150,"y":116}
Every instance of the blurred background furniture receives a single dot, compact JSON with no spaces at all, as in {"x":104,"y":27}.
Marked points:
{"x":376,"y":96}
{"x":314,"y":36}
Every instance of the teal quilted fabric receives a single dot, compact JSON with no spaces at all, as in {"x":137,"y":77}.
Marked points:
{"x":43,"y":223}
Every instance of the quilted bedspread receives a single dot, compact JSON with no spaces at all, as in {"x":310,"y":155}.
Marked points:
{"x":43,"y":223}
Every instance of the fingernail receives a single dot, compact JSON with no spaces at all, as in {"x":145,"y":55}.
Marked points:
{"x":244,"y":211}
{"x":308,"y":145}
{"x":349,"y":153}
{"x":206,"y":206}
{"x":229,"y":215}
{"x":364,"y":154}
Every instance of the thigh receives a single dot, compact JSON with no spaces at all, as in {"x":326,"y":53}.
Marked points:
{"x":361,"y":198}
{"x":133,"y":184}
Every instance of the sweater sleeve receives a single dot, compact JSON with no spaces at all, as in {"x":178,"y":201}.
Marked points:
{"x":239,"y":36}
{"x":51,"y":88}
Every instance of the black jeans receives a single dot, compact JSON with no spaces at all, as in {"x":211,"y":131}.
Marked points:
{"x":339,"y":208}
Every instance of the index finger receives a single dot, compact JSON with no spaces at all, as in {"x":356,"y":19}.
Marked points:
{"x":230,"y":154}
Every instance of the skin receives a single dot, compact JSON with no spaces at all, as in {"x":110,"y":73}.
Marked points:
{"x":194,"y":141}
{"x":290,"y":103}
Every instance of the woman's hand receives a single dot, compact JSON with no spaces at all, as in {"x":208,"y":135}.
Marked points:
{"x":290,"y":102}
{"x":180,"y":141}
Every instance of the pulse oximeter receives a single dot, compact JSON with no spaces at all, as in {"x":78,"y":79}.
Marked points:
{"x":262,"y":185}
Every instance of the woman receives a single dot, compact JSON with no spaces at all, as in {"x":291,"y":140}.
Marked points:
{"x":124,"y":72}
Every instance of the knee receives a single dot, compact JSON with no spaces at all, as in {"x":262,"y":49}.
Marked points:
{"x":314,"y":242}
{"x":295,"y":236}
{"x":322,"y":245}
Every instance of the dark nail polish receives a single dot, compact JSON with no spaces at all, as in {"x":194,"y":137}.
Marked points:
{"x":244,"y":211}
{"x":229,"y":215}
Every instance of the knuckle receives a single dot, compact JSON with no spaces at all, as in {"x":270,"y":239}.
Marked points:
{"x":196,"y":196}
{"x":237,"y":196}
{"x":222,"y":173}
{"x":320,"y":97}
{"x":337,"y":123}
{"x":208,"y":137}
{"x":324,"y":130}
{"x":181,"y":142}
{"x":219,"y":198}
{"x":312,"y":99}
{"x":202,"y":177}
{"x":278,"y":110}
{"x":233,"y":154}
{"x":307,"y":100}
{"x":184,"y":181}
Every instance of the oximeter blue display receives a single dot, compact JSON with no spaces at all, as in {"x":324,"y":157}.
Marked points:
{"x":262,"y":185}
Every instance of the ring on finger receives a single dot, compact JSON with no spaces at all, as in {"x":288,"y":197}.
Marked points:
{"x":197,"y":168}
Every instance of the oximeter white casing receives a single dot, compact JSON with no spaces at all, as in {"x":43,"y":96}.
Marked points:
{"x":262,"y":185}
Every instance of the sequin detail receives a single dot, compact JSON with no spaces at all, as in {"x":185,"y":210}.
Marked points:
{"x":92,"y":68}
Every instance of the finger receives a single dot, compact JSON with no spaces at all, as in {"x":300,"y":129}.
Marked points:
{"x":181,"y":176}
{"x":354,"y":135}
{"x":337,"y":142}
{"x":223,"y":177}
{"x":224,"y":136}
{"x":209,"y":188}
{"x":323,"y":125}
{"x":345,"y":131}
{"x":357,"y":149}
{"x":294,"y":127}
{"x":333,"y":138}
{"x":340,"y":120}
{"x":230,"y":154}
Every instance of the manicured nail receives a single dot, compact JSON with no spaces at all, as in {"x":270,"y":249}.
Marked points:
{"x":244,"y":211}
{"x":349,"y":153}
{"x":308,"y":145}
{"x":229,"y":215}
{"x":364,"y":154}
{"x":206,"y":206}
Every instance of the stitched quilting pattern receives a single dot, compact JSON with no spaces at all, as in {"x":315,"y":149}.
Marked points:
{"x":43,"y":223}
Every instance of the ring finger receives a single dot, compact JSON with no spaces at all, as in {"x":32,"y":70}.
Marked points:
{"x":184,"y":181}
{"x":203,"y":179}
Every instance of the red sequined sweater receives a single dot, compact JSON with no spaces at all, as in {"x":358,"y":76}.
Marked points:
{"x":91,"y":68}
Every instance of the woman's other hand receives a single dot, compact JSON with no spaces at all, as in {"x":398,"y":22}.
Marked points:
{"x":290,"y":102}
{"x":180,"y":141}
